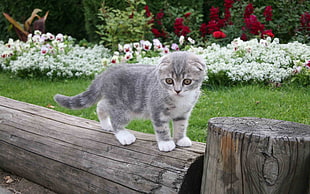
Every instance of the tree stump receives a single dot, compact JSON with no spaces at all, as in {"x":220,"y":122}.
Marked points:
{"x":255,"y":155}
{"x":69,"y":154}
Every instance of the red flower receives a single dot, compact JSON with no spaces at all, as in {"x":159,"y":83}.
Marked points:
{"x":244,"y":37}
{"x":268,"y":13}
{"x":253,"y":25}
{"x":214,"y":13}
{"x":131,"y":16}
{"x":213,"y":26}
{"x":249,"y":9}
{"x":178,"y":21}
{"x":228,"y":4}
{"x":160,"y":15}
{"x":179,"y":28}
{"x":267,"y":33}
{"x":157,"y":33}
{"x":147,"y":11}
{"x":187,"y":14}
{"x":203,"y":29}
{"x":305,"y":21}
{"x":308,"y":65}
{"x":219,"y":34}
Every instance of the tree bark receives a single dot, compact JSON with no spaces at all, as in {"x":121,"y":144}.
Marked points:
{"x":255,"y":155}
{"x":69,"y":154}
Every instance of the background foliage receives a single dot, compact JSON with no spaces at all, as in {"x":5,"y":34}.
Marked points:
{"x":79,"y":18}
{"x":64,"y":16}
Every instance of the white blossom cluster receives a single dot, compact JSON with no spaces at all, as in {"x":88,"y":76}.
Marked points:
{"x":56,"y":56}
{"x":259,"y":60}
{"x":51,"y":56}
{"x":263,"y":60}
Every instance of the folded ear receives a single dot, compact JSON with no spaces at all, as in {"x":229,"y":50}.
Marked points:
{"x":199,"y":64}
{"x":164,"y":62}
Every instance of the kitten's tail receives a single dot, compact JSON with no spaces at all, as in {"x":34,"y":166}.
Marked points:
{"x":83,"y":100}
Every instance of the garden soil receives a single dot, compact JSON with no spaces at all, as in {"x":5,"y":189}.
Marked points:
{"x":13,"y":184}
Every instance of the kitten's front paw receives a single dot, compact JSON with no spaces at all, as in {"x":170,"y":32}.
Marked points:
{"x":166,"y":146}
{"x":125,"y":137}
{"x":184,"y":142}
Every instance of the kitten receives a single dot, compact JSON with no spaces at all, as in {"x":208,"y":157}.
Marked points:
{"x":161,"y":93}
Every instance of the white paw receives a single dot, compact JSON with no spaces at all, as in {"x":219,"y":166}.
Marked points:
{"x":184,"y":142}
{"x":125,"y":137}
{"x":166,"y":146}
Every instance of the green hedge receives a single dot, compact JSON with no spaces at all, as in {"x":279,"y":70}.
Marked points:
{"x":78,"y":18}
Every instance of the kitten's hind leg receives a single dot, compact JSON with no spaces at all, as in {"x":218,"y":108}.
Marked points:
{"x":104,"y":118}
{"x":119,"y":120}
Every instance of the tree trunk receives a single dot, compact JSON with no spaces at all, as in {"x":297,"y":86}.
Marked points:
{"x":254,"y":155}
{"x":68,"y":154}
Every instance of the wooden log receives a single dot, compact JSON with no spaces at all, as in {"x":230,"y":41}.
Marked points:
{"x":68,"y":154}
{"x":255,"y":155}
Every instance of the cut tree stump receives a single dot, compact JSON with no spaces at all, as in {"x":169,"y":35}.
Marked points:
{"x":254,"y":155}
{"x":69,"y":154}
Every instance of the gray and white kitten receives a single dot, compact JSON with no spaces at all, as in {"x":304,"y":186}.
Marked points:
{"x":161,"y":93}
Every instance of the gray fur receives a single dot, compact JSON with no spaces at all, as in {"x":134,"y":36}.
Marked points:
{"x":129,"y":91}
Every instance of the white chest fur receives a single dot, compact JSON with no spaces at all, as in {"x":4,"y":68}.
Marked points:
{"x":184,"y":104}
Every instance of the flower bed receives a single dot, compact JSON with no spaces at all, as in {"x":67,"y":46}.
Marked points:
{"x":239,"y":61}
{"x":46,"y":55}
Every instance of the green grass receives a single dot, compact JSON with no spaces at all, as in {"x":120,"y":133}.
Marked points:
{"x":289,"y":102}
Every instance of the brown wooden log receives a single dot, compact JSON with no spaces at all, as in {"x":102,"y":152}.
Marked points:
{"x":69,"y":154}
{"x":254,"y":155}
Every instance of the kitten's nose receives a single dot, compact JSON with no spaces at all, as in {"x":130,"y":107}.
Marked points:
{"x":177,"y":91}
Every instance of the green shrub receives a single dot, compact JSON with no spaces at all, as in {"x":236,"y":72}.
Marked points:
{"x":123,"y":26}
{"x":91,"y":8}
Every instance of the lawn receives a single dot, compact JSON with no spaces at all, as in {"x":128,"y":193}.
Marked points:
{"x":288,"y":102}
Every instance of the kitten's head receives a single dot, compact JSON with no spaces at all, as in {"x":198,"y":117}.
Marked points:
{"x":181,"y":72}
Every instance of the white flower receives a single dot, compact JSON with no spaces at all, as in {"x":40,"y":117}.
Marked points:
{"x":174,"y":46}
{"x":44,"y":50}
{"x":114,"y":60}
{"x":36,"y":38}
{"x":157,"y":45}
{"x":120,"y":48}
{"x":181,"y":40}
{"x":128,"y":56}
{"x":146,"y":45}
{"x":50,"y":36}
{"x":192,"y":41}
{"x":136,"y":45}
{"x":105,"y":62}
{"x":127,"y":48}
{"x":37,"y":32}
{"x":166,"y":50}
{"x":59,"y":37}
{"x":29,"y":38}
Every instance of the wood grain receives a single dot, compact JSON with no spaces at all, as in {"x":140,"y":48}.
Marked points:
{"x":69,"y":154}
{"x":255,"y":155}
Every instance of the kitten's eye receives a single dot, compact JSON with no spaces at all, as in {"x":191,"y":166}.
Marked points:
{"x":187,"y":81}
{"x":169,"y":81}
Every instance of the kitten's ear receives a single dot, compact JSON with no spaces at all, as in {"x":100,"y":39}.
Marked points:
{"x":199,"y":64}
{"x":164,"y":62}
